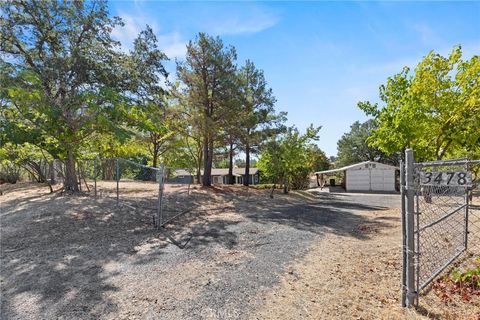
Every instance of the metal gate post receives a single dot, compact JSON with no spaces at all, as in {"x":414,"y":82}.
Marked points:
{"x":467,"y":203}
{"x":95,"y":177}
{"x":404,"y":235}
{"x":117,"y":170}
{"x":160,"y":196}
{"x":411,"y":294}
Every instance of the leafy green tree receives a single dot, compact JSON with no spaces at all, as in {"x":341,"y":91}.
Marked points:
{"x":150,"y":115}
{"x":28,"y":157}
{"x":290,"y":158}
{"x":353,"y":147}
{"x":320,"y":160}
{"x":207,"y":74}
{"x":435,"y":110}
{"x":67,"y":80}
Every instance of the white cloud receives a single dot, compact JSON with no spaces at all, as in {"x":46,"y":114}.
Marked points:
{"x":170,"y":43}
{"x":427,"y":35}
{"x":127,"y":33}
{"x":251,"y":21}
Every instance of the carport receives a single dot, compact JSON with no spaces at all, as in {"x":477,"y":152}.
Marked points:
{"x":364,"y":176}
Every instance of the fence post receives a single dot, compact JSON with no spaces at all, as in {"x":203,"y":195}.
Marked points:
{"x":467,"y":203}
{"x":409,"y":228}
{"x":117,"y":176}
{"x":160,"y":196}
{"x":404,"y":235}
{"x":95,"y":177}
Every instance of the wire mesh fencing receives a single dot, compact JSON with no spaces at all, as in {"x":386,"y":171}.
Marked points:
{"x":162,"y":193}
{"x":130,"y":186}
{"x":441,"y":220}
{"x":158,"y":195}
{"x":177,"y":194}
{"x":474,"y":226}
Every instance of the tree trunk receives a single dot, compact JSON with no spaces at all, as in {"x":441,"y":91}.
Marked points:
{"x":199,"y":162}
{"x":51,"y":171}
{"x":210,"y":160}
{"x":285,"y":185}
{"x":155,"y":155}
{"x":246,"y":180}
{"x":108,"y":172}
{"x":199,"y":173}
{"x":70,"y":183}
{"x":207,"y":164}
{"x":230,"y":166}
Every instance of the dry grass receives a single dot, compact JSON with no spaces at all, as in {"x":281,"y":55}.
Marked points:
{"x":340,"y":277}
{"x":350,"y":278}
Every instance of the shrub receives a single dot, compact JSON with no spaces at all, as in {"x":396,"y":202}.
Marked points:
{"x":9,"y":173}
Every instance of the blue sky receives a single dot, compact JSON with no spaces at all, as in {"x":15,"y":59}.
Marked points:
{"x":320,"y":58}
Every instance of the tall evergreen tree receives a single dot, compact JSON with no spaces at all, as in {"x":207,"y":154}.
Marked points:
{"x":207,"y":75}
{"x":257,"y":114}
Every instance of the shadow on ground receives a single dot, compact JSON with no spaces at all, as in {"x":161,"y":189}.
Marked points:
{"x":55,"y":249}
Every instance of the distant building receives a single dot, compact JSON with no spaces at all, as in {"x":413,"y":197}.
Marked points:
{"x":363,"y":176}
{"x":181,"y":176}
{"x":219,"y":176}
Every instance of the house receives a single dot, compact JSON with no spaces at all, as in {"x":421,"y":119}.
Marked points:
{"x":219,"y":176}
{"x":181,"y":176}
{"x":363,"y":176}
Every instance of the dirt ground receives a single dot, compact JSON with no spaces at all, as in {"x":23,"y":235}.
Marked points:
{"x":237,"y":254}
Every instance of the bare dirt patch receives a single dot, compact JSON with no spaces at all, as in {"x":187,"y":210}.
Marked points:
{"x":79,"y":257}
{"x":341,"y":278}
{"x":244,"y":255}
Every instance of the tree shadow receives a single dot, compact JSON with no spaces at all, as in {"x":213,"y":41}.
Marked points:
{"x":54,"y":252}
{"x":328,"y":213}
{"x":55,"y":249}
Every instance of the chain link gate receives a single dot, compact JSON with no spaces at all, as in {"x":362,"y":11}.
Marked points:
{"x":159,"y":193}
{"x":435,"y":219}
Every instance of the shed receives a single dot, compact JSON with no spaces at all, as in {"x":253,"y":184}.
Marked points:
{"x":365,"y":176}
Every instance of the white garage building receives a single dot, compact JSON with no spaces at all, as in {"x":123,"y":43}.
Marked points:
{"x":363,"y":176}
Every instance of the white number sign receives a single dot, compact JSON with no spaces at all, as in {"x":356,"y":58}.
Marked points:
{"x":446,"y":178}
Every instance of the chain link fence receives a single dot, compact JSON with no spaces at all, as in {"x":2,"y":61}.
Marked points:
{"x":441,"y":219}
{"x":158,"y":194}
{"x":177,"y":193}
{"x":161,"y":193}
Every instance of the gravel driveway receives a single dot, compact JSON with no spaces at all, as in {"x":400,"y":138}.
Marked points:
{"x":72,"y":257}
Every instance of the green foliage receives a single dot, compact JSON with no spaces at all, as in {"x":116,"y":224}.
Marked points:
{"x":353,"y":147}
{"x":291,"y":158}
{"x":64,"y":79}
{"x":257,"y":119}
{"x":470,"y":277}
{"x":9,"y":172}
{"x":67,"y":92}
{"x":435,"y":110}
{"x":465,"y":283}
{"x":208,"y":76}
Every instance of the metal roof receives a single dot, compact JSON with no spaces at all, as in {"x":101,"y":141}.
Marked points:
{"x":352,"y":166}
